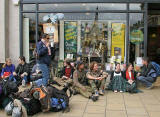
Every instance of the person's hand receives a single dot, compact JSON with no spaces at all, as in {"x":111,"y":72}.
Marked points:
{"x":47,"y":44}
{"x":64,"y":77}
{"x":99,"y":78}
{"x":22,"y":75}
{"x":14,"y":74}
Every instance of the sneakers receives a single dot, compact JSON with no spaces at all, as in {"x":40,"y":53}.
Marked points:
{"x":23,"y":83}
{"x":115,"y":91}
{"x":150,"y":87}
{"x":96,"y":93}
{"x":101,"y":92}
{"x":121,"y":91}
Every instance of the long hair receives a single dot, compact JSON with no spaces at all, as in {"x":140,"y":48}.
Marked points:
{"x":129,"y":64}
{"x":7,"y":59}
{"x":92,"y":65}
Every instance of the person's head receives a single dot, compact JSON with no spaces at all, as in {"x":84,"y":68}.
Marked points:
{"x":8,"y":62}
{"x":21,"y":60}
{"x":145,"y":60}
{"x":80,"y":65}
{"x":129,"y":67}
{"x":118,"y":67}
{"x":68,"y":63}
{"x":94,"y":66}
{"x":45,"y":37}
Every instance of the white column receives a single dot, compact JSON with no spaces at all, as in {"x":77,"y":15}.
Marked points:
{"x":3,"y":30}
{"x":61,"y":48}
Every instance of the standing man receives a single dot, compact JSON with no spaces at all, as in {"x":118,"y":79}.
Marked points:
{"x":148,"y":74}
{"x":44,"y":59}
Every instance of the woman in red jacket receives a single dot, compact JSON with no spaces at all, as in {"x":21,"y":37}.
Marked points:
{"x":130,"y":76}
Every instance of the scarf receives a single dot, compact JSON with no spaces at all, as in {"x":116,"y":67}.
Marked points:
{"x":128,"y":77}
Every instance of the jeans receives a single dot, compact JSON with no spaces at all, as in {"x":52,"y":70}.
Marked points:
{"x":45,"y":75}
{"x":12,"y":78}
{"x":25,"y":78}
{"x":146,"y":80}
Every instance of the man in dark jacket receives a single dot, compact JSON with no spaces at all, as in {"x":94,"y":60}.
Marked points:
{"x":148,"y":74}
{"x":22,"y":71}
{"x":44,"y":59}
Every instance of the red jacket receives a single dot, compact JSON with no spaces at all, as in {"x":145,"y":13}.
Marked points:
{"x":128,"y":77}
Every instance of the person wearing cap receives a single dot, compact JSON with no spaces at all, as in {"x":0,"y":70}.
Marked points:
{"x":44,"y":58}
{"x":79,"y":82}
{"x":66,"y":74}
{"x":97,"y":79}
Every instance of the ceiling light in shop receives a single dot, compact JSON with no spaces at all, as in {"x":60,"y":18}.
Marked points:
{"x":112,"y":5}
{"x":87,"y":13}
{"x":55,"y":5}
{"x":84,"y":4}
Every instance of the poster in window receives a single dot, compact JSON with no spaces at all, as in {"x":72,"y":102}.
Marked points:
{"x":118,"y":40}
{"x":70,"y":38}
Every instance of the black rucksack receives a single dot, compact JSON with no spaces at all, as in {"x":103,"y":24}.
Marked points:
{"x":9,"y":87}
{"x":33,"y":106}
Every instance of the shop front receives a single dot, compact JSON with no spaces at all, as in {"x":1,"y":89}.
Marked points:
{"x":105,"y":31}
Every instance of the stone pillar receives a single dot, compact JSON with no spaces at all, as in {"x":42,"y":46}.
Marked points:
{"x":4,"y":45}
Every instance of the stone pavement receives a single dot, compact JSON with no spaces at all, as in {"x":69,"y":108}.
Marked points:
{"x":146,"y":104}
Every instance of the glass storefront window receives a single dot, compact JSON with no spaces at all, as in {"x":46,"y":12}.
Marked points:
{"x":136,"y":36}
{"x":29,"y":35}
{"x":27,"y":7}
{"x":136,"y":7}
{"x":82,"y":6}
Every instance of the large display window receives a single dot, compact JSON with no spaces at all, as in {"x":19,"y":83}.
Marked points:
{"x":105,"y":32}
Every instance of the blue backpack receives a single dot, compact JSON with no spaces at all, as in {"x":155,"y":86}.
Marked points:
{"x":58,"y":104}
{"x":156,"y":67}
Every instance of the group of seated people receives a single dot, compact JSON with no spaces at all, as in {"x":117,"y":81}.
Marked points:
{"x":19,"y":75}
{"x":89,"y":83}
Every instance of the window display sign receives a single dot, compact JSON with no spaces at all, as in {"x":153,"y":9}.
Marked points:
{"x":136,"y":36}
{"x":118,"y":40}
{"x":70,"y":38}
{"x":48,"y":28}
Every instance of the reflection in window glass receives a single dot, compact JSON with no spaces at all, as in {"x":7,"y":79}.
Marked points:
{"x":136,"y":36}
{"x":29,"y":37}
{"x":136,"y":6}
{"x":29,"y":7}
{"x":82,"y":7}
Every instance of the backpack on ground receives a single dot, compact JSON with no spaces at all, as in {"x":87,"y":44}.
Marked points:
{"x":9,"y":87}
{"x":59,"y":99}
{"x":156,"y":67}
{"x":32,"y":106}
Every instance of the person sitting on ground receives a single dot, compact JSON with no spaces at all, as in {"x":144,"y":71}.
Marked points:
{"x":79,"y":80}
{"x":7,"y":70}
{"x":36,"y":73}
{"x":148,"y":74}
{"x":117,"y":82}
{"x":130,"y":75}
{"x":67,"y":73}
{"x":97,"y":79}
{"x":22,"y":71}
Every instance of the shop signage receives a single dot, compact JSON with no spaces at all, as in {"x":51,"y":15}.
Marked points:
{"x":118,"y":40}
{"x":136,"y":36}
{"x":70,"y":38}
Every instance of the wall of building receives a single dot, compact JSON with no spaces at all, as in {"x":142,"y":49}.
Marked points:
{"x":9,"y":31}
{"x":14,"y":43}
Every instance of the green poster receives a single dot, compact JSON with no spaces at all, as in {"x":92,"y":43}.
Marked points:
{"x":136,"y":36}
{"x":70,"y":38}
